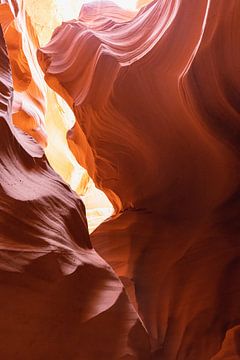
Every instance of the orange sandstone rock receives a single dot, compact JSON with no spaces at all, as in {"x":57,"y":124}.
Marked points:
{"x":156,"y":102}
{"x":29,"y":102}
{"x":59,"y":298}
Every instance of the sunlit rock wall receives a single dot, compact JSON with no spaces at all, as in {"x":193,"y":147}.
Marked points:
{"x":36,"y":108}
{"x":29,"y":103}
{"x":156,"y":99}
{"x":59,"y":298}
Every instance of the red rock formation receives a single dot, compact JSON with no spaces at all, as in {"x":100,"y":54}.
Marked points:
{"x":157,"y":105}
{"x":29,"y":103}
{"x":230,"y":347}
{"x":59,"y":299}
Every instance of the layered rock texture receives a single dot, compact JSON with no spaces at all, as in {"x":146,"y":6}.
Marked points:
{"x":29,"y":102}
{"x":59,"y":298}
{"x":36,"y":109}
{"x":155,"y":94}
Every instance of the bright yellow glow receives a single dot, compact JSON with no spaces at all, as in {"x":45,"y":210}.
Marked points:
{"x":46,"y":15}
{"x":59,"y":119}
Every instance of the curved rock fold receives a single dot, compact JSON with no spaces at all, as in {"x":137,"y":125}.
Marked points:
{"x":155,"y":93}
{"x":157,"y":116}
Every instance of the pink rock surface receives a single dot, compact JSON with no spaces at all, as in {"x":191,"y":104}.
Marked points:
{"x":156,"y":98}
{"x":59,"y":298}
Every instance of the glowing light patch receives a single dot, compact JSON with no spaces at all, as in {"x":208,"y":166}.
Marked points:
{"x":70,"y":9}
{"x":46,"y":15}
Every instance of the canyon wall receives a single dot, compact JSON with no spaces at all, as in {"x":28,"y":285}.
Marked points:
{"x":156,"y":100}
{"x":155,"y":93}
{"x":29,"y":102}
{"x":59,"y":298}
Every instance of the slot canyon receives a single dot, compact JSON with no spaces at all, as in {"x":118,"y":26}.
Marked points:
{"x":119,"y":180}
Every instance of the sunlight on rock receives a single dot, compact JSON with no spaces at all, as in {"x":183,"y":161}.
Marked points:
{"x":59,"y":119}
{"x":46,"y":16}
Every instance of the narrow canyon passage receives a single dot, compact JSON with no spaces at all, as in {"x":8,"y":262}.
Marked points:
{"x":131,"y":108}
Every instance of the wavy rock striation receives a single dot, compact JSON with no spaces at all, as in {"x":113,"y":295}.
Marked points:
{"x":36,"y":108}
{"x":156,"y":98}
{"x":59,"y":299}
{"x":29,"y":101}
